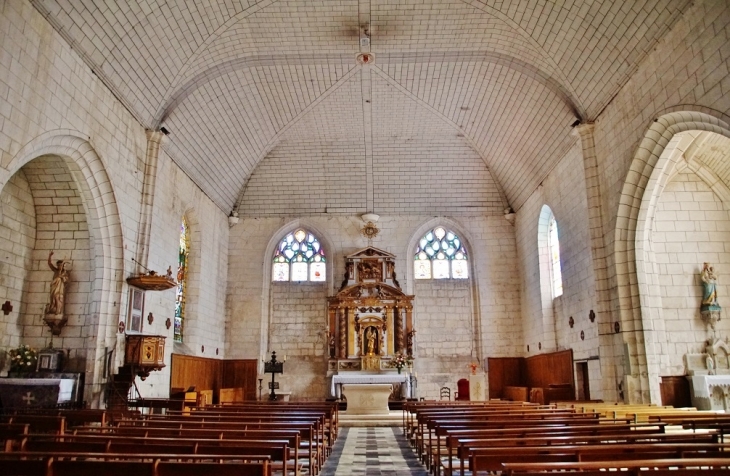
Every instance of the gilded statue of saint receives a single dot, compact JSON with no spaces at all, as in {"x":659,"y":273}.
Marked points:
{"x":58,"y":285}
{"x":370,"y":335}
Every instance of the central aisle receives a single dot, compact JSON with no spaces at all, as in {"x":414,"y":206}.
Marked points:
{"x":372,"y":451}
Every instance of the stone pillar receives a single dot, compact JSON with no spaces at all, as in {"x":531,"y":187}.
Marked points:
{"x":610,"y":374}
{"x":154,"y":141}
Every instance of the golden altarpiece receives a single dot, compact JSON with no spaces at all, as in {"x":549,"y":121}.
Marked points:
{"x":370,"y":318}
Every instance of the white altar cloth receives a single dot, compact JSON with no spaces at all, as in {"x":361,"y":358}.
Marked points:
{"x":338,"y":380}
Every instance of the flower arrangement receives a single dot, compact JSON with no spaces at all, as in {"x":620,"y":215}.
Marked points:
{"x":399,"y":361}
{"x":23,"y":359}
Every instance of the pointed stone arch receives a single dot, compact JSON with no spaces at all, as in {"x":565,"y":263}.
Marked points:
{"x":99,"y":202}
{"x":650,"y":169}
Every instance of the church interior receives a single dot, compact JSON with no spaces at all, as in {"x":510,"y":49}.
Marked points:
{"x":523,"y":195}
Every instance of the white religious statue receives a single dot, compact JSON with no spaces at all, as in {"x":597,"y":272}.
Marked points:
{"x":710,"y":309}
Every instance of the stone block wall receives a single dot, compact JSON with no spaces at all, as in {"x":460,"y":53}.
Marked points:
{"x":17,"y":237}
{"x":457,"y":322}
{"x":52,"y":103}
{"x":691,"y":226}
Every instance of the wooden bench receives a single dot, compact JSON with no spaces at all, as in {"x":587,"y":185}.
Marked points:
{"x":310,"y":429}
{"x":39,"y":423}
{"x":467,"y":447}
{"x":96,"y":464}
{"x":667,"y":467}
{"x":293,"y":435}
{"x":491,"y":459}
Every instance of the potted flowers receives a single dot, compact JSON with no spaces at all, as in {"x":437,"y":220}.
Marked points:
{"x":399,"y":361}
{"x":23,"y":359}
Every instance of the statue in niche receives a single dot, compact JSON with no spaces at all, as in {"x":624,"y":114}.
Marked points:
{"x":58,"y":286}
{"x":371,"y":335}
{"x":332,"y":345}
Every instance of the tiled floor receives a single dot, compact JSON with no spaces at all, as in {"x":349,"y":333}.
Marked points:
{"x":372,"y":451}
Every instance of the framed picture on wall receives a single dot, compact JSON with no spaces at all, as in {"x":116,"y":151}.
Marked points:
{"x":136,"y":310}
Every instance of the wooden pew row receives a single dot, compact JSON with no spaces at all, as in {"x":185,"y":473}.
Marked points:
{"x":96,"y":464}
{"x":486,"y":460}
{"x":317,"y":443}
{"x":427,"y":426}
{"x":39,"y":423}
{"x":668,"y":467}
{"x":78,"y":417}
{"x":250,"y":431}
{"x":413,"y":408}
{"x":448,"y":437}
{"x":205,"y":439}
{"x":274,"y":451}
{"x":330,"y":410}
{"x":12,"y":433}
{"x":466,"y":447}
{"x":426,"y":421}
{"x":309,"y":429}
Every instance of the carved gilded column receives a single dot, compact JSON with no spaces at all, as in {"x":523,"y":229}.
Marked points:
{"x":399,"y":329}
{"x":343,"y":333}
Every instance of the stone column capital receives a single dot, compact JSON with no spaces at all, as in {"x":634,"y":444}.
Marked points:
{"x":583,"y":130}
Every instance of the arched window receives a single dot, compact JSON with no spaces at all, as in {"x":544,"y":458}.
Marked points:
{"x":556,"y":275}
{"x":440,"y":255}
{"x":551,"y":276}
{"x":299,"y":257}
{"x":182,"y":268}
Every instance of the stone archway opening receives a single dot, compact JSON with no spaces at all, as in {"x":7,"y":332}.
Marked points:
{"x":43,"y":213}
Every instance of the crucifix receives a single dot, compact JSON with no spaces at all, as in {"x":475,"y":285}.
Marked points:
{"x":7,"y":308}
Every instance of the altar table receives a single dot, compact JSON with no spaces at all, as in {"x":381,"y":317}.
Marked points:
{"x":339,"y":380}
{"x":710,"y":392}
{"x":35,"y":392}
{"x":367,"y":399}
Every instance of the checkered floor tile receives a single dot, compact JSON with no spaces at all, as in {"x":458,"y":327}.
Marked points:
{"x":372,"y":451}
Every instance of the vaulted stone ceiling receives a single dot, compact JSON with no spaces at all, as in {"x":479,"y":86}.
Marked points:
{"x":235,"y":81}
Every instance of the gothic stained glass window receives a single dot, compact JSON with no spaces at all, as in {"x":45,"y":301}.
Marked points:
{"x":554,"y":247}
{"x":440,"y":255}
{"x":299,"y":257}
{"x":182,"y":268}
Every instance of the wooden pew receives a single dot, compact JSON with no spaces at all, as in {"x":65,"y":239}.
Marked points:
{"x":230,"y":437}
{"x":96,"y":464}
{"x":12,"y":434}
{"x":668,"y":467}
{"x":467,"y":447}
{"x":310,"y":429}
{"x":39,"y":423}
{"x":485,"y":460}
{"x":452,"y":436}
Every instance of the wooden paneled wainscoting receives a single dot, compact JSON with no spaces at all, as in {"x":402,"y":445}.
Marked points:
{"x":214,"y":374}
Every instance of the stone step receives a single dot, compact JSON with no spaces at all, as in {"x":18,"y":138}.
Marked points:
{"x":393,"y":418}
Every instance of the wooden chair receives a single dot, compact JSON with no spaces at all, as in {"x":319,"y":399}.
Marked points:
{"x":445,"y":393}
{"x":463,"y":392}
